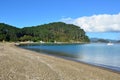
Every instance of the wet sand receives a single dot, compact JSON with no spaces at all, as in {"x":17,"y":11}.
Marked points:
{"x":20,"y":64}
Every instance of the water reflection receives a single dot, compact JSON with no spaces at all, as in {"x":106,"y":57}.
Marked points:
{"x":102,"y":54}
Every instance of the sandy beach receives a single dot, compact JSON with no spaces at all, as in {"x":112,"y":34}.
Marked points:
{"x":20,"y":64}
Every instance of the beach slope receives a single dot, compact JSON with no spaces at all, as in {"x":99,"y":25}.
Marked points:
{"x":20,"y":64}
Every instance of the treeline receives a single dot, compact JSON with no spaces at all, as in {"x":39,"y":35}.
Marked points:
{"x":57,"y":31}
{"x":9,"y":33}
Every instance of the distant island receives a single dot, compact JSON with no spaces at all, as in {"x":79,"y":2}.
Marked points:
{"x":52,"y":32}
{"x":100,"y":40}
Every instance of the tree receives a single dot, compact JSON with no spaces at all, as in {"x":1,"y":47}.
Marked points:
{"x":26,"y":38}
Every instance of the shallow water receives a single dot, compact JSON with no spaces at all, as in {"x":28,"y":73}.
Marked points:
{"x":99,"y":54}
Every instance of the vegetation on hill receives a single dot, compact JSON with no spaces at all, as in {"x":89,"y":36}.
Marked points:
{"x":9,"y":33}
{"x":57,"y":31}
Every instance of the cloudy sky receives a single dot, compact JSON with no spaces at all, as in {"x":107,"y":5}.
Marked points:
{"x":99,"y":18}
{"x":97,"y":23}
{"x":101,"y":26}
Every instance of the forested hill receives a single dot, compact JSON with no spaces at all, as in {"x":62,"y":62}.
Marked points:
{"x":9,"y":33}
{"x":57,"y":31}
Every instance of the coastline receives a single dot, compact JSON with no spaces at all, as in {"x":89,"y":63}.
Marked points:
{"x":69,"y":57}
{"x":27,"y":42}
{"x":17,"y":63}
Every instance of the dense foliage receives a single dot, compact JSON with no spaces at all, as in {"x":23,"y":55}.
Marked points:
{"x":57,"y":31}
{"x":9,"y":33}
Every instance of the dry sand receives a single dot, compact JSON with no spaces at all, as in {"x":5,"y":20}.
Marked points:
{"x":21,"y":64}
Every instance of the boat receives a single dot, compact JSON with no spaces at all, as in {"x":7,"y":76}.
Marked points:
{"x":109,"y":43}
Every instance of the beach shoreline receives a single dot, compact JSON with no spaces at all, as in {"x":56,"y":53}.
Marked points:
{"x":73,"y":59}
{"x":69,"y":57}
{"x":24,"y":64}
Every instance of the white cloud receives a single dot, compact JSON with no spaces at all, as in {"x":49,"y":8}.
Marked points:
{"x":96,"y":23}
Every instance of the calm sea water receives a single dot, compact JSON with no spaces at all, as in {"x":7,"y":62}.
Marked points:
{"x":99,"y":54}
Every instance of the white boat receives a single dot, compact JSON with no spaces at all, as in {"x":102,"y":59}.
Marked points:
{"x":109,"y":43}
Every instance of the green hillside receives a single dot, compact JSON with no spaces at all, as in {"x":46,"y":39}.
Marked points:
{"x":9,"y":33}
{"x":57,"y":31}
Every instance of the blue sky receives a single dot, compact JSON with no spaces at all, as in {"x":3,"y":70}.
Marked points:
{"x":23,"y":13}
{"x":105,"y":35}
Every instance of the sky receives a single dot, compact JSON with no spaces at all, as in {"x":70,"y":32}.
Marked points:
{"x":99,"y":18}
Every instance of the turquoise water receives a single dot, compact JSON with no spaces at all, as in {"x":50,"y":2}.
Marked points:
{"x":95,"y":53}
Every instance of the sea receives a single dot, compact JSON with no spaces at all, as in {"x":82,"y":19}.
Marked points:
{"x":97,"y":54}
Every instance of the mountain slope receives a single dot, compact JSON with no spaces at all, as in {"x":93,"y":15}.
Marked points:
{"x":8,"y":32}
{"x":57,"y":31}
